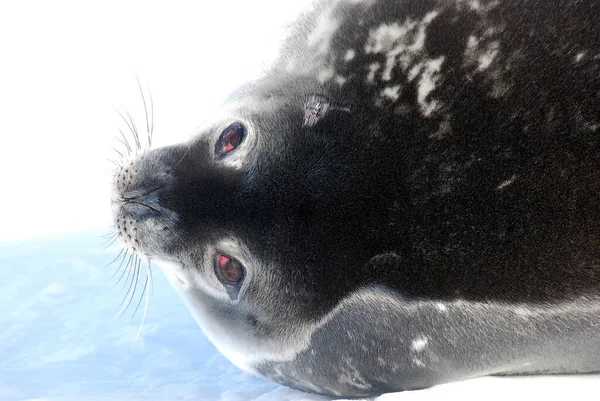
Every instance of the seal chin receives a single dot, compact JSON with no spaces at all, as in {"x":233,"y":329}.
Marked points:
{"x":175,"y":273}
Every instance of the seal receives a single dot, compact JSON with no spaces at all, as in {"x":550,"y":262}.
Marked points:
{"x":409,"y":196}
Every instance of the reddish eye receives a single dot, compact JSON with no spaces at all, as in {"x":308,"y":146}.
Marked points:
{"x":231,"y":138}
{"x":229,"y":270}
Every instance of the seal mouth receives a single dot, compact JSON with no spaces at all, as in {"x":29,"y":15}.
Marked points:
{"x":133,"y":195}
{"x":144,"y":226}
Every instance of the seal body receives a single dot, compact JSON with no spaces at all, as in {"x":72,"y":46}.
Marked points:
{"x":409,"y":196}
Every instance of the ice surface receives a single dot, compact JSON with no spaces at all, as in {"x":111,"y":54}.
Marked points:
{"x":59,"y":341}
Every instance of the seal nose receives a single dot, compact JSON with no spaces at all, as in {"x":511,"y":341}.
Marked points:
{"x":140,"y":177}
{"x":140,"y":185}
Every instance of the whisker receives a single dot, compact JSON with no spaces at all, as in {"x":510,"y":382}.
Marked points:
{"x":124,"y":142}
{"x":109,"y":242}
{"x":136,"y":134}
{"x":141,"y":298}
{"x":119,"y":153}
{"x":119,"y":268}
{"x":143,"y":101}
{"x":148,"y":275}
{"x":127,"y":270}
{"x":131,"y":129}
{"x":131,"y":292}
{"x":151,"y":132}
{"x":109,"y":238}
{"x":116,"y":258}
{"x":184,"y":155}
{"x":110,"y":234}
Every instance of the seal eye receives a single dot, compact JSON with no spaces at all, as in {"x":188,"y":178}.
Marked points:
{"x":229,"y":270}
{"x":230,"y":139}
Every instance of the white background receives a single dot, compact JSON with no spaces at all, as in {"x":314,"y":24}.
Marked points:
{"x":66,"y":67}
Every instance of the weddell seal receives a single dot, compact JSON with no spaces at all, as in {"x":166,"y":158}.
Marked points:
{"x":409,"y":196}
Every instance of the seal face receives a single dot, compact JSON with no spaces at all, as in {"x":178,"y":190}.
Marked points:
{"x":409,"y":196}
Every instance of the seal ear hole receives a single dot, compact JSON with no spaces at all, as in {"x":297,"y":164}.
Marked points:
{"x":231,"y":138}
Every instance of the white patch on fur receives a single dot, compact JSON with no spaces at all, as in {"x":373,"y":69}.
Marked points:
{"x":325,"y":75}
{"x":351,"y":376}
{"x":350,"y":54}
{"x":579,"y":57}
{"x":373,"y":68}
{"x":441,"y":307}
{"x":482,"y":57}
{"x":419,"y":344}
{"x":475,"y":5}
{"x":427,"y":83}
{"x":506,"y":183}
{"x":488,"y":56}
{"x":320,"y":38}
{"x":385,"y":37}
{"x":419,"y":363}
{"x":472,"y":42}
{"x":340,"y":80}
{"x":415,"y":71}
{"x":403,"y":45}
{"x":391,"y":92}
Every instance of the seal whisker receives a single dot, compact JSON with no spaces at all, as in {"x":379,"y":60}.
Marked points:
{"x":145,"y":110}
{"x":140,"y":301}
{"x":131,"y":128}
{"x":119,"y":255}
{"x":136,"y":134}
{"x":108,"y":243}
{"x":148,"y":278}
{"x":150,"y":275}
{"x":109,"y":236}
{"x":111,"y":232}
{"x":132,"y":287}
{"x":125,"y":142}
{"x":151,"y":131}
{"x":126,"y":269}
{"x":118,"y":152}
{"x":124,"y":257}
{"x":182,"y":157}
